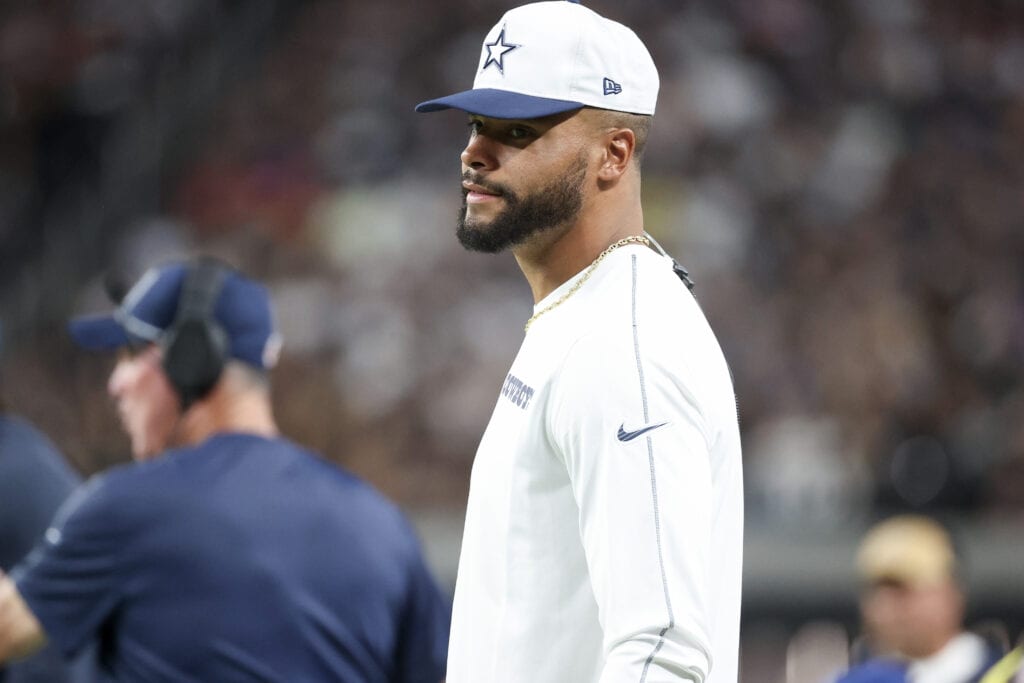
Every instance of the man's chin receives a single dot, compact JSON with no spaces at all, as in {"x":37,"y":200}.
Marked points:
{"x":477,"y":239}
{"x":479,"y":217}
{"x":141,"y":453}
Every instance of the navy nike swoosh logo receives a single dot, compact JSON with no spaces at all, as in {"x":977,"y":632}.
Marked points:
{"x":629,"y":436}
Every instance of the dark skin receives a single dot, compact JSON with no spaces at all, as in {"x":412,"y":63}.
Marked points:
{"x":528,"y":155}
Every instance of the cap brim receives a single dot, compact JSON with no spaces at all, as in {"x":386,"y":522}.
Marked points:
{"x":499,"y":104}
{"x":98,"y":332}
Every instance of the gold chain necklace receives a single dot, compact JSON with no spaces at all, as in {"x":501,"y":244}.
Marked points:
{"x":632,"y":239}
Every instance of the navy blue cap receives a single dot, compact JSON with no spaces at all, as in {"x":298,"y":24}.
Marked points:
{"x":149,"y":308}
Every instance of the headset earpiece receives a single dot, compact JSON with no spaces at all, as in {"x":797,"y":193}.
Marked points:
{"x":195,"y":346}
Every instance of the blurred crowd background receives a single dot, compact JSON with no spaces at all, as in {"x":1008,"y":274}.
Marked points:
{"x":844,"y":180}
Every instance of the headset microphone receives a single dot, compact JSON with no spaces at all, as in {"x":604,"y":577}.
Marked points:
{"x":677,"y":267}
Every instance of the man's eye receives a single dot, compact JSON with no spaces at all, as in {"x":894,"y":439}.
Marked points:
{"x":475,"y":126}
{"x":518,"y":133}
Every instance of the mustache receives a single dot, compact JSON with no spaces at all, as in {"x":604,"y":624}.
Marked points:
{"x":494,"y":188}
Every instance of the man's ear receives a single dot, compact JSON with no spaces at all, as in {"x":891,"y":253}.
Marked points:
{"x":618,"y":154}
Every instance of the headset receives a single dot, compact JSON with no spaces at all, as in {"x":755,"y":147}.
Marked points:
{"x":196,"y":346}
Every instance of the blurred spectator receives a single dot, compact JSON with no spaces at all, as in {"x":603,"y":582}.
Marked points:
{"x":913,"y":608}
{"x":34,"y":481}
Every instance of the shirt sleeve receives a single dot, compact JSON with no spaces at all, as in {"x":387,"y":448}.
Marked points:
{"x":34,"y":481}
{"x":633,"y":440}
{"x":72,"y":580}
{"x":426,"y":621}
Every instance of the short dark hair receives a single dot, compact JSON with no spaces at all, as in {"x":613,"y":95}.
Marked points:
{"x":640,"y":124}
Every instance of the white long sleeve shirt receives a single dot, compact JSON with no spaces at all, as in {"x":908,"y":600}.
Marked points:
{"x":603,"y":537}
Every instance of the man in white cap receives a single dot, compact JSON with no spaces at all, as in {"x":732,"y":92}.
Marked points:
{"x":603,"y":537}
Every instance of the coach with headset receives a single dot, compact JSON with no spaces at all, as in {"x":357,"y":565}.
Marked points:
{"x":226,"y":552}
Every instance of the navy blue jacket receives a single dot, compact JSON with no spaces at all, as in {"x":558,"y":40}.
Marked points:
{"x":242,"y":559}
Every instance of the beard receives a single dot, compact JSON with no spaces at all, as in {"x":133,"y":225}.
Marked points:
{"x":523,"y":216}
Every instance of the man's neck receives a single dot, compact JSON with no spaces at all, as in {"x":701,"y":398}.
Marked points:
{"x":553,"y":257}
{"x":243,"y":412}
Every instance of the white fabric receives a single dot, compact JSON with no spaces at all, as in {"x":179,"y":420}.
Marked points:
{"x":565,"y":51}
{"x":589,"y":559}
{"x":960,"y":660}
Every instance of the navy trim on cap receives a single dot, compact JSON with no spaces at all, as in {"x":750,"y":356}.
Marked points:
{"x":499,"y":104}
{"x":98,"y":332}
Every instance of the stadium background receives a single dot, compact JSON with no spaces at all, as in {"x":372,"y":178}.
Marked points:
{"x":845,"y":181}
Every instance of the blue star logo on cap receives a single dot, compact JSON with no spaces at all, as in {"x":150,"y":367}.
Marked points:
{"x":497,"y":50}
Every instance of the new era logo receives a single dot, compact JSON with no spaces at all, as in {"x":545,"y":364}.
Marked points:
{"x":611,"y":87}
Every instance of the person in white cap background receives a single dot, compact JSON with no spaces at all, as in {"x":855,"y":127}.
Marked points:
{"x":913,"y":608}
{"x":603,"y":537}
{"x":227,"y":552}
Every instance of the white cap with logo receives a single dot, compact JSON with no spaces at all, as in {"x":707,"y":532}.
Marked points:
{"x":550,"y":57}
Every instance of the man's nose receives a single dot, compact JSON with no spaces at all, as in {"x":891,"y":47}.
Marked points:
{"x":118,"y":377}
{"x":479,"y":153}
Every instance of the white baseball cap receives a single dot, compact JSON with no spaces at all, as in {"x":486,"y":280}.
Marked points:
{"x":550,"y":57}
{"x":911,"y":549}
